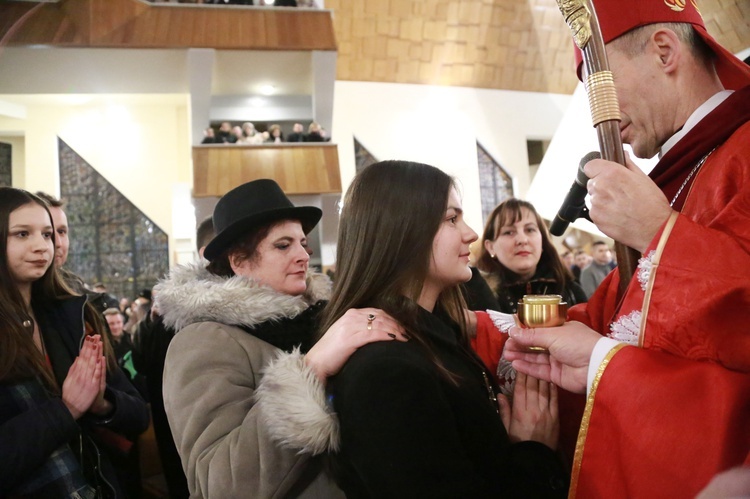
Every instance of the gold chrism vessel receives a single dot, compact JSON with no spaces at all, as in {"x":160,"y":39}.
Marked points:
{"x":542,"y":310}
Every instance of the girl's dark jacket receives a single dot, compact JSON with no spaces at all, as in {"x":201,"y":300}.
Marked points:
{"x":408,"y":431}
{"x":29,"y":436}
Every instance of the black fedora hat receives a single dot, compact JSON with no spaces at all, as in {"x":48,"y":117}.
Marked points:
{"x":252,"y":204}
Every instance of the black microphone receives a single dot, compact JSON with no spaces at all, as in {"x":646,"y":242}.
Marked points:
{"x":574,"y":206}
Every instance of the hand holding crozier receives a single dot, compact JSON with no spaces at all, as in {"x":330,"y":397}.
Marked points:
{"x":567,"y":358}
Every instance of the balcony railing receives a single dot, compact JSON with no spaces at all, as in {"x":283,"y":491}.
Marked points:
{"x":299,"y":168}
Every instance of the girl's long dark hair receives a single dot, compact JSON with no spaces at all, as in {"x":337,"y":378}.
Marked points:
{"x":507,"y":213}
{"x":19,"y":356}
{"x":391,"y":214}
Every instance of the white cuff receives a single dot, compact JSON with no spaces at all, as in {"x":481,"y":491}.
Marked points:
{"x":601,"y":349}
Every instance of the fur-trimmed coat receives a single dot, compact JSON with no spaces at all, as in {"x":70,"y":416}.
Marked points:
{"x":223,"y":407}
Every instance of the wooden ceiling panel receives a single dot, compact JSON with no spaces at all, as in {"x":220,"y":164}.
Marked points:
{"x":501,"y":44}
{"x":136,"y":24}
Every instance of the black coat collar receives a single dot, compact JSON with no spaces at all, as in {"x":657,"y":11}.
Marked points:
{"x":438,"y":327}
{"x":62,"y":327}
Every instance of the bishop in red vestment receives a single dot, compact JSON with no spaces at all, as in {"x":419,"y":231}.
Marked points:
{"x":668,"y":388}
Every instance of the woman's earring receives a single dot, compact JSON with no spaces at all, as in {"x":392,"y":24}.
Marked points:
{"x":492,"y":256}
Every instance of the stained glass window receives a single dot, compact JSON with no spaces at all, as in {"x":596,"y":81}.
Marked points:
{"x":111,"y":241}
{"x":495,"y":185}
{"x":6,"y":166}
{"x":362,"y":156}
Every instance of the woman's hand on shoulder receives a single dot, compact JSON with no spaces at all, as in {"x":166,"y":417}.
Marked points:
{"x":83,"y":382}
{"x":356,"y":328}
{"x":534,"y":413}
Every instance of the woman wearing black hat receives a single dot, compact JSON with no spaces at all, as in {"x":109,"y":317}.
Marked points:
{"x":234,"y":316}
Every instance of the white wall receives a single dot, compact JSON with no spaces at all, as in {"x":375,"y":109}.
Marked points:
{"x":441,"y":126}
{"x":141,"y":145}
{"x":575,"y":137}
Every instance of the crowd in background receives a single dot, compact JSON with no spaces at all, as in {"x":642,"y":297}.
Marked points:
{"x":590,"y":270}
{"x":226,"y":133}
{"x":140,"y":343}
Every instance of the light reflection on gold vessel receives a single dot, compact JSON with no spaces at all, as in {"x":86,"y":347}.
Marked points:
{"x":542,"y":310}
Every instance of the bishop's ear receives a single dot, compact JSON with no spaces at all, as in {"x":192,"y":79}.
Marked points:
{"x":666,"y":45}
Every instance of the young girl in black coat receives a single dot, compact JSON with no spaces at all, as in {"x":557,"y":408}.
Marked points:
{"x":421,"y":418}
{"x":61,"y":394}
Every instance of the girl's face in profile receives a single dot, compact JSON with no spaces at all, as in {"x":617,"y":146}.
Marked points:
{"x":449,"y":264}
{"x":30,"y":249}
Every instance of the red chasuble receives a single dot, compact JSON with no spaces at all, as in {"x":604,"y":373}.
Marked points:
{"x":488,"y":343}
{"x":672,"y":409}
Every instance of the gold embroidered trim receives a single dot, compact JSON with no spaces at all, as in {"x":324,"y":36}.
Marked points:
{"x":583,"y":432}
{"x":654,"y":269}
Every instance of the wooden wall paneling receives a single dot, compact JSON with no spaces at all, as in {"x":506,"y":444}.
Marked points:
{"x":109,"y":16}
{"x":271,"y":164}
{"x":502,"y":44}
{"x":298,"y":169}
{"x":135,"y":24}
{"x":203,"y":182}
{"x":331,"y":160}
{"x":729,"y":22}
{"x":176,"y":32}
{"x":222,"y":169}
{"x":219,"y":177}
{"x":229,"y":170}
{"x":196,"y":27}
{"x":12,"y":12}
{"x":49,"y":25}
{"x":200,"y":172}
{"x":314,"y":172}
{"x":46,"y":25}
{"x":296,"y":173}
{"x":218,"y":157}
{"x":220,"y":31}
{"x":266,"y":25}
{"x":234,"y":173}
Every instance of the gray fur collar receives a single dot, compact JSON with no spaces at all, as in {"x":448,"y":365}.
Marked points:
{"x":191,"y":294}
